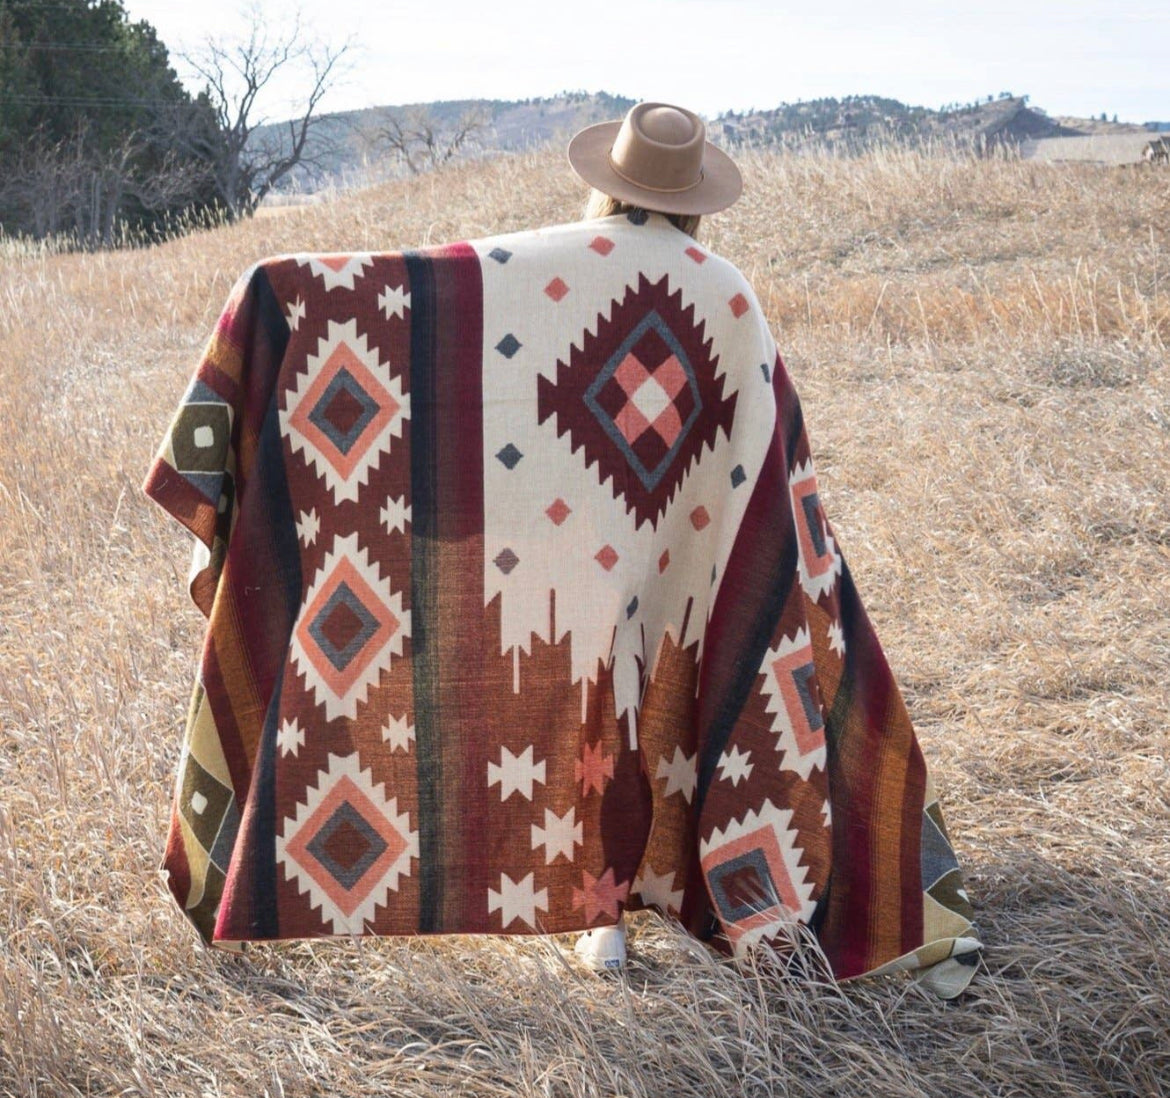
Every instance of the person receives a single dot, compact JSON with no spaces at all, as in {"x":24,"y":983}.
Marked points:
{"x":523,"y":610}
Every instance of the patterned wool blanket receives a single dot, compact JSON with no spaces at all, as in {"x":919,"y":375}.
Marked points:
{"x":523,"y":610}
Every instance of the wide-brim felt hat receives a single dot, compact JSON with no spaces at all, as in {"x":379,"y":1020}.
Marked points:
{"x":657,"y":157}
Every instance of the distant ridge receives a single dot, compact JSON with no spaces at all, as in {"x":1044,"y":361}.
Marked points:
{"x":858,"y":120}
{"x":344,"y":149}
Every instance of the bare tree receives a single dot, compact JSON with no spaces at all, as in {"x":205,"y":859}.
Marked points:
{"x":73,"y":186}
{"x":246,"y":164}
{"x":422,"y":142}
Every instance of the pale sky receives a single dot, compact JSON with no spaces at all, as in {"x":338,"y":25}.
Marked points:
{"x":1078,"y":57}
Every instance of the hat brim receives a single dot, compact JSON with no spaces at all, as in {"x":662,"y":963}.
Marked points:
{"x":718,"y":187}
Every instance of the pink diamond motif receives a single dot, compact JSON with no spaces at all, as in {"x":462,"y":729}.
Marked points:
{"x":558,"y":511}
{"x":631,"y":374}
{"x":366,"y":844}
{"x":606,"y":556}
{"x":663,"y":560}
{"x":668,"y":424}
{"x":738,"y":305}
{"x":651,"y":402}
{"x":699,"y":517}
{"x":696,"y":255}
{"x":557,"y":289}
{"x":602,"y":245}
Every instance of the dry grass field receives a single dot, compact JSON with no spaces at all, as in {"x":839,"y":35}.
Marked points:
{"x":981,"y":350}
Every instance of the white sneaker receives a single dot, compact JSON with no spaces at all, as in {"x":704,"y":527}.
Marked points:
{"x":603,"y":948}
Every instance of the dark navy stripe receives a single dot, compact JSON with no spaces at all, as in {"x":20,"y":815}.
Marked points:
{"x":423,"y":570}
{"x":269,"y":485}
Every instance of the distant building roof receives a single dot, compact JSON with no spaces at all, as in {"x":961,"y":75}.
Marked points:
{"x":1101,"y":148}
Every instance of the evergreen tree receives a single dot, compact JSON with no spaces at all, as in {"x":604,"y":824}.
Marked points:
{"x":88,"y":108}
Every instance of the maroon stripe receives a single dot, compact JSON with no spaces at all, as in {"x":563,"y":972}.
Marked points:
{"x":870,"y":693}
{"x":175,"y":862}
{"x":180,"y":498}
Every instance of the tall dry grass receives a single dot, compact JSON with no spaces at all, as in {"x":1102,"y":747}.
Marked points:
{"x":980,"y":346}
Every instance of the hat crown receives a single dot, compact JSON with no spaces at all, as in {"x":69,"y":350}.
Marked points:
{"x":668,"y":125}
{"x":659,"y":147}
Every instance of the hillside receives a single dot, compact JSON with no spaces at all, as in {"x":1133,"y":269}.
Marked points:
{"x":980,"y":345}
{"x":346,"y":148}
{"x":351,"y":148}
{"x":856,"y":121}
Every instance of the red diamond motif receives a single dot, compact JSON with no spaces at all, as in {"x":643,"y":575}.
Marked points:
{"x":558,"y":511}
{"x":699,"y":517}
{"x":739,"y":306}
{"x":602,"y":245}
{"x":647,"y":377}
{"x":696,"y":255}
{"x":557,"y":289}
{"x":606,"y":556}
{"x":663,"y":560}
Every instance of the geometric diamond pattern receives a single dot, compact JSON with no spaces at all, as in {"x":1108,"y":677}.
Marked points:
{"x":505,"y":560}
{"x":204,"y":801}
{"x":347,"y":846}
{"x":646,"y":398}
{"x":199,"y":441}
{"x":641,"y":395}
{"x":606,"y":556}
{"x":793,"y":699}
{"x":342,"y":413}
{"x":509,"y":345}
{"x":557,"y":289}
{"x":558,"y":511}
{"x":349,"y":626}
{"x":201,"y":436}
{"x":818,"y":561}
{"x":509,"y":455}
{"x":755,"y":877}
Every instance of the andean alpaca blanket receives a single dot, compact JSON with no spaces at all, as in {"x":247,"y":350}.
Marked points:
{"x":523,"y":610}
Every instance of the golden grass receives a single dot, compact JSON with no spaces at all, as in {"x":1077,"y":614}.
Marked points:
{"x":981,"y":352}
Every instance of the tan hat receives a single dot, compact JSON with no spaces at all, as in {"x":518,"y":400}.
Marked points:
{"x":657,"y":157}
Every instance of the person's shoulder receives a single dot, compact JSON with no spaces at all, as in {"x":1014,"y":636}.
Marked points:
{"x":714,"y":265}
{"x":266,"y":268}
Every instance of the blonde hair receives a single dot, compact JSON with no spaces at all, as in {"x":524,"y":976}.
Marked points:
{"x":604,"y":205}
